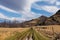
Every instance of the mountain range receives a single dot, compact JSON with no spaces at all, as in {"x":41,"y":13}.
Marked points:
{"x":40,"y":21}
{"x":43,"y":20}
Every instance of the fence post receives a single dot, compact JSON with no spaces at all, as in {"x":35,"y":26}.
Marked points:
{"x":53,"y":31}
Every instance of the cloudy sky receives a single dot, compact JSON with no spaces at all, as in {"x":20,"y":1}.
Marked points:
{"x":22,"y":10}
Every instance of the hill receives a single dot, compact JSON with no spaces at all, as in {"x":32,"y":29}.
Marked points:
{"x":54,"y":19}
{"x":43,"y":20}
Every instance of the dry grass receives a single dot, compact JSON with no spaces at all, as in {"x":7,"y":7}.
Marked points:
{"x":56,"y":28}
{"x":50,"y":31}
{"x":6,"y":32}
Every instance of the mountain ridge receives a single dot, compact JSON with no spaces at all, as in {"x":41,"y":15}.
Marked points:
{"x":43,"y":20}
{"x":40,"y":21}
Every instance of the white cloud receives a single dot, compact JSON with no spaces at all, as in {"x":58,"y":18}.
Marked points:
{"x":24,"y":7}
{"x":30,"y":15}
{"x":52,"y":1}
{"x":11,"y":18}
{"x":7,"y":9}
{"x":51,"y":9}
{"x":36,"y":6}
{"x":2,"y":16}
{"x":26,"y":14}
{"x":57,"y":3}
{"x":49,"y":1}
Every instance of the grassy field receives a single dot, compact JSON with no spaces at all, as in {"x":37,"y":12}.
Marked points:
{"x":6,"y":32}
{"x":37,"y":33}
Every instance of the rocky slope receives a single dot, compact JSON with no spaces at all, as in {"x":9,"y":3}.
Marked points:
{"x":54,"y":19}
